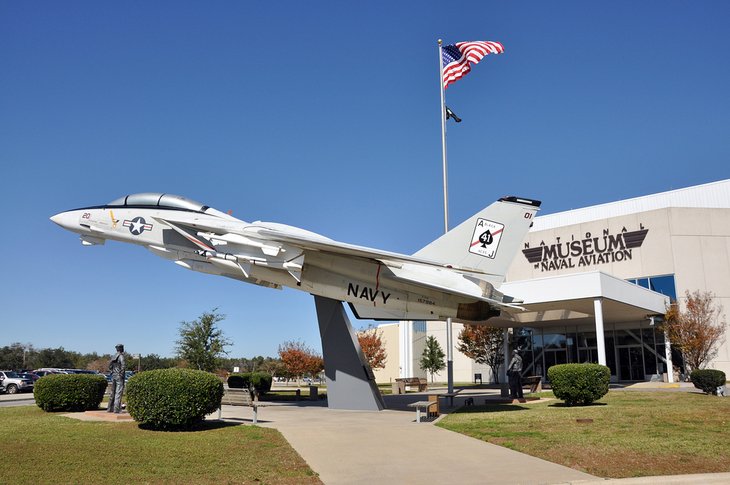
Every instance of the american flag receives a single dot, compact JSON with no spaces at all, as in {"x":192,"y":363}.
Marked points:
{"x":457,"y":58}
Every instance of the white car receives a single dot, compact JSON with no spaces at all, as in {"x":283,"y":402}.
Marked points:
{"x":13,"y":383}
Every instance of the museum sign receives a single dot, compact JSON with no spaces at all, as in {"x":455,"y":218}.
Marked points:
{"x":590,"y":250}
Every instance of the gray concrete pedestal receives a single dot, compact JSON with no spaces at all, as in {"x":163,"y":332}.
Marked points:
{"x":350,"y":381}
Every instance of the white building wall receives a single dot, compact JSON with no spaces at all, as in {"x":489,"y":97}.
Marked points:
{"x":691,"y":243}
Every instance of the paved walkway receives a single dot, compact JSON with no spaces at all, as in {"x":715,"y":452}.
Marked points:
{"x":352,"y":447}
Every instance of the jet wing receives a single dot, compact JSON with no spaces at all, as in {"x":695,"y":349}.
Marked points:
{"x":283,"y":234}
{"x":402,"y":266}
{"x":329,"y":245}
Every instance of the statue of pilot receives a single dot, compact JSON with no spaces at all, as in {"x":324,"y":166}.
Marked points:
{"x":514,"y":372}
{"x":117,"y":368}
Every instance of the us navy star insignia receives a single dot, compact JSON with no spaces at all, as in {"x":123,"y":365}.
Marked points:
{"x":137,"y":225}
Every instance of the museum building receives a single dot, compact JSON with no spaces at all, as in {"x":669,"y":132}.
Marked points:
{"x":596,"y":281}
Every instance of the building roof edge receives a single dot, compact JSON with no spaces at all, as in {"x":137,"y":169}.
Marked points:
{"x":710,"y":195}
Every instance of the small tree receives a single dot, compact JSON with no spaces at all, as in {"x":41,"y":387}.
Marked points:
{"x":298,"y":359}
{"x":432,"y":358}
{"x":202,"y":343}
{"x":483,"y":344}
{"x":371,"y":343}
{"x":273,"y":366}
{"x":315,"y":365}
{"x":697,"y":331}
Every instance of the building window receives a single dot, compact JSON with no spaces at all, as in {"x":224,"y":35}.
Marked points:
{"x":663,"y":284}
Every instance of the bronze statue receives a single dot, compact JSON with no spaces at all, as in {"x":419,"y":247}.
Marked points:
{"x":117,"y":368}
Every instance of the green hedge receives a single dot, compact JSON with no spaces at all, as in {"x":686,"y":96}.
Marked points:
{"x":172,"y":399}
{"x":261,"y":381}
{"x":69,"y":392}
{"x":579,"y":383}
{"x":708,"y":379}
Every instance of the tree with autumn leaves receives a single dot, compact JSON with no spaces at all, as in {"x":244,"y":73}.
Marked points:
{"x":371,"y":343}
{"x":697,"y":330}
{"x":483,"y":344}
{"x":299,"y":360}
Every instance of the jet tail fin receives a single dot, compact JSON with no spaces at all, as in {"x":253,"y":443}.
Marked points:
{"x":488,"y":241}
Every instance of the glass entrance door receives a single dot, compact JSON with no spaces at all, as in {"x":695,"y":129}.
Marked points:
{"x":555,"y":357}
{"x":588,"y":355}
{"x":630,"y":363}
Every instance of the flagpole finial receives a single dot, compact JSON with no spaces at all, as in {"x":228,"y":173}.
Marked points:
{"x":440,"y":41}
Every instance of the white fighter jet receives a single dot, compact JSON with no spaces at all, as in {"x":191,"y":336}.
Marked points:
{"x":453,"y":277}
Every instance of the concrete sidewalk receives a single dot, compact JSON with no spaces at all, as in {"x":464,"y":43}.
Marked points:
{"x":359,"y":447}
{"x":365,"y":447}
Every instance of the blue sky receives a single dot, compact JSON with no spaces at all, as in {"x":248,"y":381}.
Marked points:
{"x":323,"y":115}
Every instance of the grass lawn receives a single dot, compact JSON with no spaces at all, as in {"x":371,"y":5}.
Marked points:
{"x":632,"y":433}
{"x":49,"y":448}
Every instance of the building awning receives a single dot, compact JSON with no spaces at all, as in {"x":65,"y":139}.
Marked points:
{"x":570,"y":298}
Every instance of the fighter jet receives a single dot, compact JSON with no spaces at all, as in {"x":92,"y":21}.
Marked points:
{"x":452,"y":277}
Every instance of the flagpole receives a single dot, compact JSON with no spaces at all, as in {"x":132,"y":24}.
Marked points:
{"x":443,"y":141}
{"x":449,"y":326}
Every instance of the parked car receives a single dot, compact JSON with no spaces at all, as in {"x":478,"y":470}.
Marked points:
{"x":127,"y":375}
{"x":45,"y":372}
{"x":29,"y":375}
{"x":14,"y":383}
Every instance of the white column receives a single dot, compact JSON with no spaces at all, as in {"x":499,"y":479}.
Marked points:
{"x":600,"y":336}
{"x":505,"y":352}
{"x":449,"y":356}
{"x":405,"y":329}
{"x":668,"y":356}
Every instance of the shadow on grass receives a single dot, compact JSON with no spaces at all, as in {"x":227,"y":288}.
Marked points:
{"x":491,"y":408}
{"x":579,"y":405}
{"x":196,"y":428}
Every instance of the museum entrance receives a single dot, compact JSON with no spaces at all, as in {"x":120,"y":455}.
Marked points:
{"x":634,"y":352}
{"x":630,"y":363}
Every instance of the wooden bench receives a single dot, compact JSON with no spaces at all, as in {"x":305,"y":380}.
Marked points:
{"x":241,"y":397}
{"x":431,"y":406}
{"x":535,"y":383}
{"x":402,"y":382}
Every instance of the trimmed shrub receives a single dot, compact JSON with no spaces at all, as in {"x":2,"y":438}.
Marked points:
{"x":172,"y":399}
{"x":261,"y":381}
{"x":238,"y":381}
{"x":708,"y":380}
{"x":579,"y":383}
{"x":69,"y":392}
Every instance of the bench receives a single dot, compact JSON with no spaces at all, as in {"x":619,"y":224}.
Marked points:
{"x":241,"y":397}
{"x":431,"y":406}
{"x":535,"y":383}
{"x":402,"y":382}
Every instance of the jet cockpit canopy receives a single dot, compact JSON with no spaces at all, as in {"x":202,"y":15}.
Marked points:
{"x":155,"y":199}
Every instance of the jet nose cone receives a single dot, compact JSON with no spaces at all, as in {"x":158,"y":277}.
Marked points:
{"x":67,"y":220}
